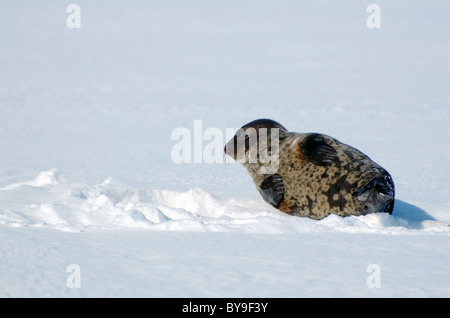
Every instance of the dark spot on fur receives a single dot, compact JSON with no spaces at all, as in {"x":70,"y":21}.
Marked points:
{"x":310,"y":203}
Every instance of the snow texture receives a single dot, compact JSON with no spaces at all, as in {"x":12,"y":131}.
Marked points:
{"x":88,"y":179}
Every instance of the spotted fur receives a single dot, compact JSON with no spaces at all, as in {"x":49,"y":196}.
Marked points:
{"x":316,"y":174}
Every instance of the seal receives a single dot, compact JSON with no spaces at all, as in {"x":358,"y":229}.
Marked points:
{"x":310,"y":174}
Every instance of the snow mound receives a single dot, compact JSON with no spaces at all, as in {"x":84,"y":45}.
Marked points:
{"x":44,"y":179}
{"x":51,"y":201}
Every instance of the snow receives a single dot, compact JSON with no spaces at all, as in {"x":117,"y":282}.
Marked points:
{"x":87,"y":176}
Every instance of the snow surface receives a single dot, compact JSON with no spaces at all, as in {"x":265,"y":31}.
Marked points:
{"x":87,"y":176}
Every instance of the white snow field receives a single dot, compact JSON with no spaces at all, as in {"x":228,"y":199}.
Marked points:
{"x":93,"y":203}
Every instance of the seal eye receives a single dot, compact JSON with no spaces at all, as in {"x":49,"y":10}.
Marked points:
{"x":244,"y":140}
{"x":242,"y":134}
{"x":247,"y":141}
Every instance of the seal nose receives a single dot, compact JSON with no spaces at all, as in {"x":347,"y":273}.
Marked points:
{"x":230,"y":147}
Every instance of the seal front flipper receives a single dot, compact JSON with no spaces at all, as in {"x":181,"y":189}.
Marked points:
{"x":272,"y":190}
{"x":317,"y":150}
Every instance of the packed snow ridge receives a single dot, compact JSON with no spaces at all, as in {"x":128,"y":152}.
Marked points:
{"x":52,"y":201}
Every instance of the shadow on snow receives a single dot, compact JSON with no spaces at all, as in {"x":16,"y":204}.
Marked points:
{"x":412,"y":214}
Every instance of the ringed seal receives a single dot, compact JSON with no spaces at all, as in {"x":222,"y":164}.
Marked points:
{"x":310,"y":174}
